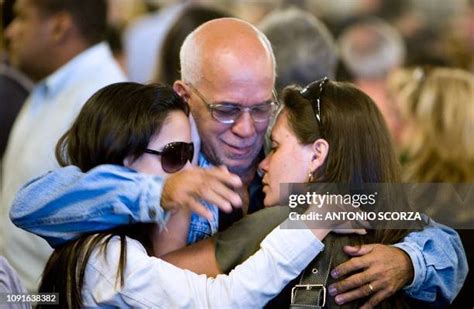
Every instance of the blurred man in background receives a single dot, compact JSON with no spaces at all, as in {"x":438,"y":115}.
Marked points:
{"x":371,"y":49}
{"x":58,"y":44}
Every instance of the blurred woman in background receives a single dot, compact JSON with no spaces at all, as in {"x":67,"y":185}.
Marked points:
{"x":437,"y":105}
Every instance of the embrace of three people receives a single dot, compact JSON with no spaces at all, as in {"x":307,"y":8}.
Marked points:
{"x":134,"y":223}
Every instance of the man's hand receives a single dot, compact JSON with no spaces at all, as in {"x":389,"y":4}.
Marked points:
{"x":380,"y":272}
{"x":187,"y":187}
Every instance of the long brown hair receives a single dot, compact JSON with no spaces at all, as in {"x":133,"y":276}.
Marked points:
{"x":116,"y":122}
{"x":360,"y":151}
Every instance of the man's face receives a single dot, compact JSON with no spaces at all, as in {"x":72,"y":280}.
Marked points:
{"x":29,"y":38}
{"x":238,"y":144}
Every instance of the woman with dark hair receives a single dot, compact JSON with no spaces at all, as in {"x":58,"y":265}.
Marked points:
{"x":331,"y":132}
{"x":123,"y":124}
{"x":146,"y":128}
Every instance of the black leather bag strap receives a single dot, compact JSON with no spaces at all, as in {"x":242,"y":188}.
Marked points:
{"x":311,"y":290}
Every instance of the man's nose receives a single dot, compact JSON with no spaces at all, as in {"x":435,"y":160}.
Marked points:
{"x":244,"y":126}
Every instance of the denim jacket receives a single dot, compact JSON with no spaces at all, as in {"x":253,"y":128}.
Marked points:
{"x":199,"y":227}
{"x":62,"y":204}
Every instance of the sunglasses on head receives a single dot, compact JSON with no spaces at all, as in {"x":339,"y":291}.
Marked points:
{"x":174,"y":156}
{"x":313,"y":93}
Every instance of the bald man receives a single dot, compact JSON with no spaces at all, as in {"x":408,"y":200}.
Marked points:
{"x":227,"y":76}
{"x":236,"y":71}
{"x":223,"y":75}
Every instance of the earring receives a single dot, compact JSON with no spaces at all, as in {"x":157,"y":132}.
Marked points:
{"x":310,"y":176}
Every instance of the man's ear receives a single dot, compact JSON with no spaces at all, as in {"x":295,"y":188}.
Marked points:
{"x":62,"y":25}
{"x":182,"y":90}
{"x":320,"y":149}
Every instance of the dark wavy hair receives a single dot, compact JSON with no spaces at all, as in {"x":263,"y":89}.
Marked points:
{"x":116,"y":122}
{"x":360,"y":152}
{"x":360,"y":149}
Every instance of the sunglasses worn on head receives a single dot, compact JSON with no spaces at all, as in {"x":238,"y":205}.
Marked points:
{"x":174,"y":156}
{"x":313,"y":93}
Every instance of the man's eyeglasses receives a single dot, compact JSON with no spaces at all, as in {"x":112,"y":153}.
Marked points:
{"x":313,"y":93}
{"x":228,"y":112}
{"x":174,"y":155}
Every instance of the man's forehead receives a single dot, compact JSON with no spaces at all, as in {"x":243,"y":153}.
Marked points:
{"x":239,"y":91}
{"x":242,"y":97}
{"x":237,"y":63}
{"x":236,"y":68}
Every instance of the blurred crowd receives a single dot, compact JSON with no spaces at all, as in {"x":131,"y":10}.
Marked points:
{"x":414,"y":58}
{"x":370,"y":38}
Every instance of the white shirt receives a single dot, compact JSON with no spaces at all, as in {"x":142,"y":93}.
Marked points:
{"x":48,"y":112}
{"x":151,"y":282}
{"x":143,"y":40}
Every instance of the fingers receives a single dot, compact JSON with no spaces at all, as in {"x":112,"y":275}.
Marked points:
{"x":348,"y":267}
{"x":226,"y":177}
{"x":232,"y":198}
{"x":188,"y":187}
{"x":350,"y":231}
{"x":375,"y":299}
{"x":363,"y":291}
{"x":360,"y":231}
{"x":384,"y":272}
{"x":358,"y":251}
{"x":218,"y":188}
{"x":357,"y":281}
{"x":219,"y":195}
{"x":199,"y":209}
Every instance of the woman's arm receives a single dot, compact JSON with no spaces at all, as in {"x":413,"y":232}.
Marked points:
{"x":64,"y":204}
{"x":199,"y":258}
{"x":152,"y":282}
{"x":227,"y":249}
{"x":173,"y":235}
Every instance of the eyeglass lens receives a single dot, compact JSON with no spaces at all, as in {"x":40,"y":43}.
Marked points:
{"x":230,"y":113}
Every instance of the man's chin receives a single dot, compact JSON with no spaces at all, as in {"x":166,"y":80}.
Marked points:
{"x":239,"y":166}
